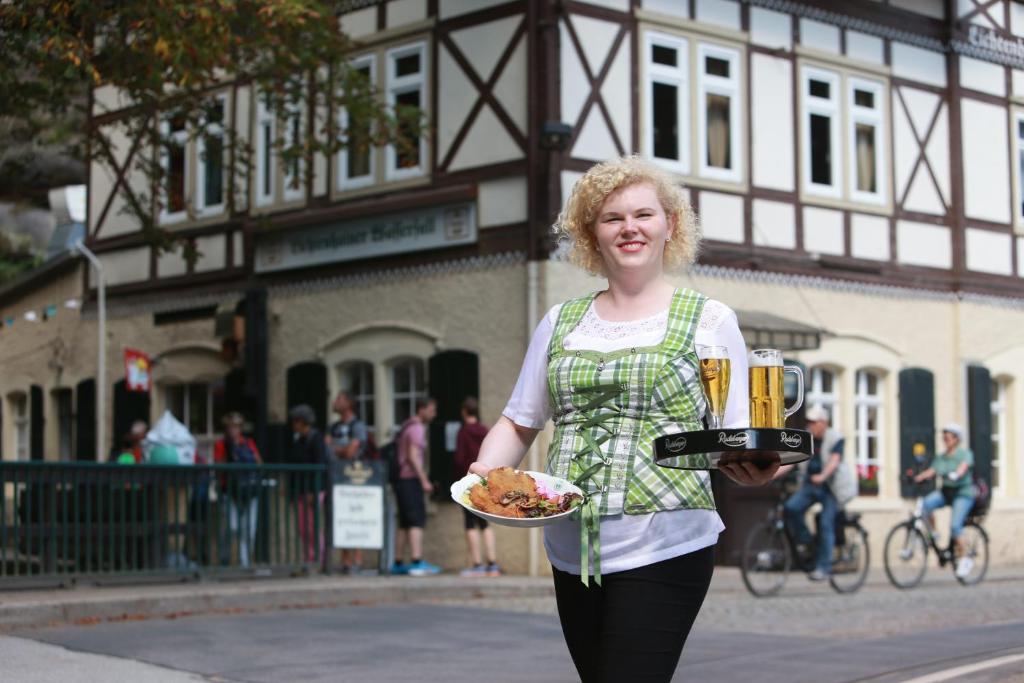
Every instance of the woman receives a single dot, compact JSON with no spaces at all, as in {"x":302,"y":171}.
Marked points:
{"x":240,"y":493}
{"x":614,"y":370}
{"x":954,"y":467}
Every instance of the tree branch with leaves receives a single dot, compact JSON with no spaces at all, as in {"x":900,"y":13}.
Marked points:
{"x":168,"y":60}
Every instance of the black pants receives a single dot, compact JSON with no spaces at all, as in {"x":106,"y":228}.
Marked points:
{"x":633,"y":627}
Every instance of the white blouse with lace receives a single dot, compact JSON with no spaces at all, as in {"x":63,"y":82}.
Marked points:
{"x":630,"y":541}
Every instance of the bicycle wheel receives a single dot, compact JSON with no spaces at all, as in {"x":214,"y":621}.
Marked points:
{"x":906,"y":555}
{"x":766,"y":560}
{"x":850,"y":569}
{"x":975,"y":544}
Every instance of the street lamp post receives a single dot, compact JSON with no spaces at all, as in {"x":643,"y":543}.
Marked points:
{"x":101,"y":354}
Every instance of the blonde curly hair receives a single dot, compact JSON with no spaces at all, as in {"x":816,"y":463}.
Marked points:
{"x":575,"y":223}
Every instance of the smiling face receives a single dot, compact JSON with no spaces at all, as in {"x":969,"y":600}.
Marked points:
{"x":631,"y":230}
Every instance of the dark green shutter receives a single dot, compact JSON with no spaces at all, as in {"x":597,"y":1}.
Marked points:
{"x":979,"y":417}
{"x":917,"y":422}
{"x":85,"y":417}
{"x":307,"y":383}
{"x":37,"y":423}
{"x":452,"y":376}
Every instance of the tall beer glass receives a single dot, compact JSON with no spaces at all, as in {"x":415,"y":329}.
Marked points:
{"x":767,"y":389}
{"x":715,"y":372}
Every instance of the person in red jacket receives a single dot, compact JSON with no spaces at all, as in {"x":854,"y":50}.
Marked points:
{"x":239,"y":491}
{"x":467,"y":446}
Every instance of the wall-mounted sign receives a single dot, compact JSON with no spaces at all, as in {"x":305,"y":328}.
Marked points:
{"x":988,"y":39}
{"x":429,"y":228}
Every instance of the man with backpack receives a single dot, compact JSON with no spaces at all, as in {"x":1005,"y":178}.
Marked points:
{"x":824,"y":479}
{"x":410,"y":488}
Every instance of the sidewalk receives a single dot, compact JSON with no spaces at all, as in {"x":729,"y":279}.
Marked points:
{"x":90,"y":605}
{"x":21,"y":609}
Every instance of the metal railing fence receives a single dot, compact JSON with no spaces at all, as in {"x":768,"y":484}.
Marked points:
{"x":65,"y":522}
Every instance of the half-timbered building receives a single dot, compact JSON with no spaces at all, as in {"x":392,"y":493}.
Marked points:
{"x":857,"y":168}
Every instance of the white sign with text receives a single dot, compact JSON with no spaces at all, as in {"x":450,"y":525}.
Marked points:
{"x":358,"y":516}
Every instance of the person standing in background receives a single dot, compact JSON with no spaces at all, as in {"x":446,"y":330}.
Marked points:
{"x":347,"y":439}
{"x":467,"y":447}
{"x":240,"y":496}
{"x":410,"y":490}
{"x":308,"y":448}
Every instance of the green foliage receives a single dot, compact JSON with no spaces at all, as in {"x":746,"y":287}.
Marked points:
{"x":167,"y":58}
{"x":15,"y":257}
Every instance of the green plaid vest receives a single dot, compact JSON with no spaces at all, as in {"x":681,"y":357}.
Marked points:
{"x":609,"y":407}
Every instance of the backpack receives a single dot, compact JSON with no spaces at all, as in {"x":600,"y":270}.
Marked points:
{"x":389,"y":454}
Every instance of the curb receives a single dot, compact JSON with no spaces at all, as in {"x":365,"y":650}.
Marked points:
{"x":82,"y":607}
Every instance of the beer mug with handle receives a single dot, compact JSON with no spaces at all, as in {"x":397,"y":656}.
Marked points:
{"x":767,"y":389}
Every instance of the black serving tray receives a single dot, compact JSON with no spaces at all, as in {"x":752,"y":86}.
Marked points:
{"x":706,"y":449}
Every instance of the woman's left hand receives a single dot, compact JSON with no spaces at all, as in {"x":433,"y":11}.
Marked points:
{"x":752,"y":473}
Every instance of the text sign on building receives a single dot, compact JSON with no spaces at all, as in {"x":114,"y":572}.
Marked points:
{"x":431,"y":228}
{"x":358,"y":522}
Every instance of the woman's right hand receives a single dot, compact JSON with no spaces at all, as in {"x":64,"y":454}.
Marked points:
{"x":479,"y":469}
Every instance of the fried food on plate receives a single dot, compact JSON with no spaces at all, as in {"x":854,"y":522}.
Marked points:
{"x":511,"y":493}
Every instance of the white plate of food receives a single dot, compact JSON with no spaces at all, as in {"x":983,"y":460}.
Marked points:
{"x":517,"y":498}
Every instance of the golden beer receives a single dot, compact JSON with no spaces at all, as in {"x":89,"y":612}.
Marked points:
{"x":714,"y":377}
{"x":767,"y":397}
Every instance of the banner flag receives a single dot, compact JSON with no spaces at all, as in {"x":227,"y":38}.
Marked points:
{"x":137,"y":370}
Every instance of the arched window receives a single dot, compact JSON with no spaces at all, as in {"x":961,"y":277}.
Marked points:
{"x":197,"y":405}
{"x":408,"y":383}
{"x":356,"y":378}
{"x":868,"y":430}
{"x":999,"y":428}
{"x":823,"y":391}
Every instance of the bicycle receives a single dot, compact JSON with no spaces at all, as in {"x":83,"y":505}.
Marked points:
{"x":770,"y":552}
{"x":907,"y":544}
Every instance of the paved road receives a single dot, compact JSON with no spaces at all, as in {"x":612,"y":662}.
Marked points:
{"x":940,"y":632}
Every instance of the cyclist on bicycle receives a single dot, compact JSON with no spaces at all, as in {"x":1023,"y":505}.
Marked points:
{"x":955,"y":468}
{"x":823,"y":479}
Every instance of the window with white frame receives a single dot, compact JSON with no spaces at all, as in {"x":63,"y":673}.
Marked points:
{"x":868,"y":430}
{"x":356,"y":378}
{"x":356,"y":165}
{"x":667,"y":95}
{"x":865,"y":136}
{"x":718,"y":112}
{"x":210,"y":159}
{"x":20,"y":422}
{"x":266,"y":156}
{"x":406,"y":95}
{"x":999,"y":428}
{"x":823,"y":392}
{"x":197,"y":405}
{"x":1020,"y":166}
{"x":408,"y":383}
{"x":713,"y":149}
{"x":175,"y":169}
{"x":294,"y":131}
{"x":834,"y":105}
{"x":821,"y":141}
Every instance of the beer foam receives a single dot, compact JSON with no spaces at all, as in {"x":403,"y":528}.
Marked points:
{"x":758,"y":361}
